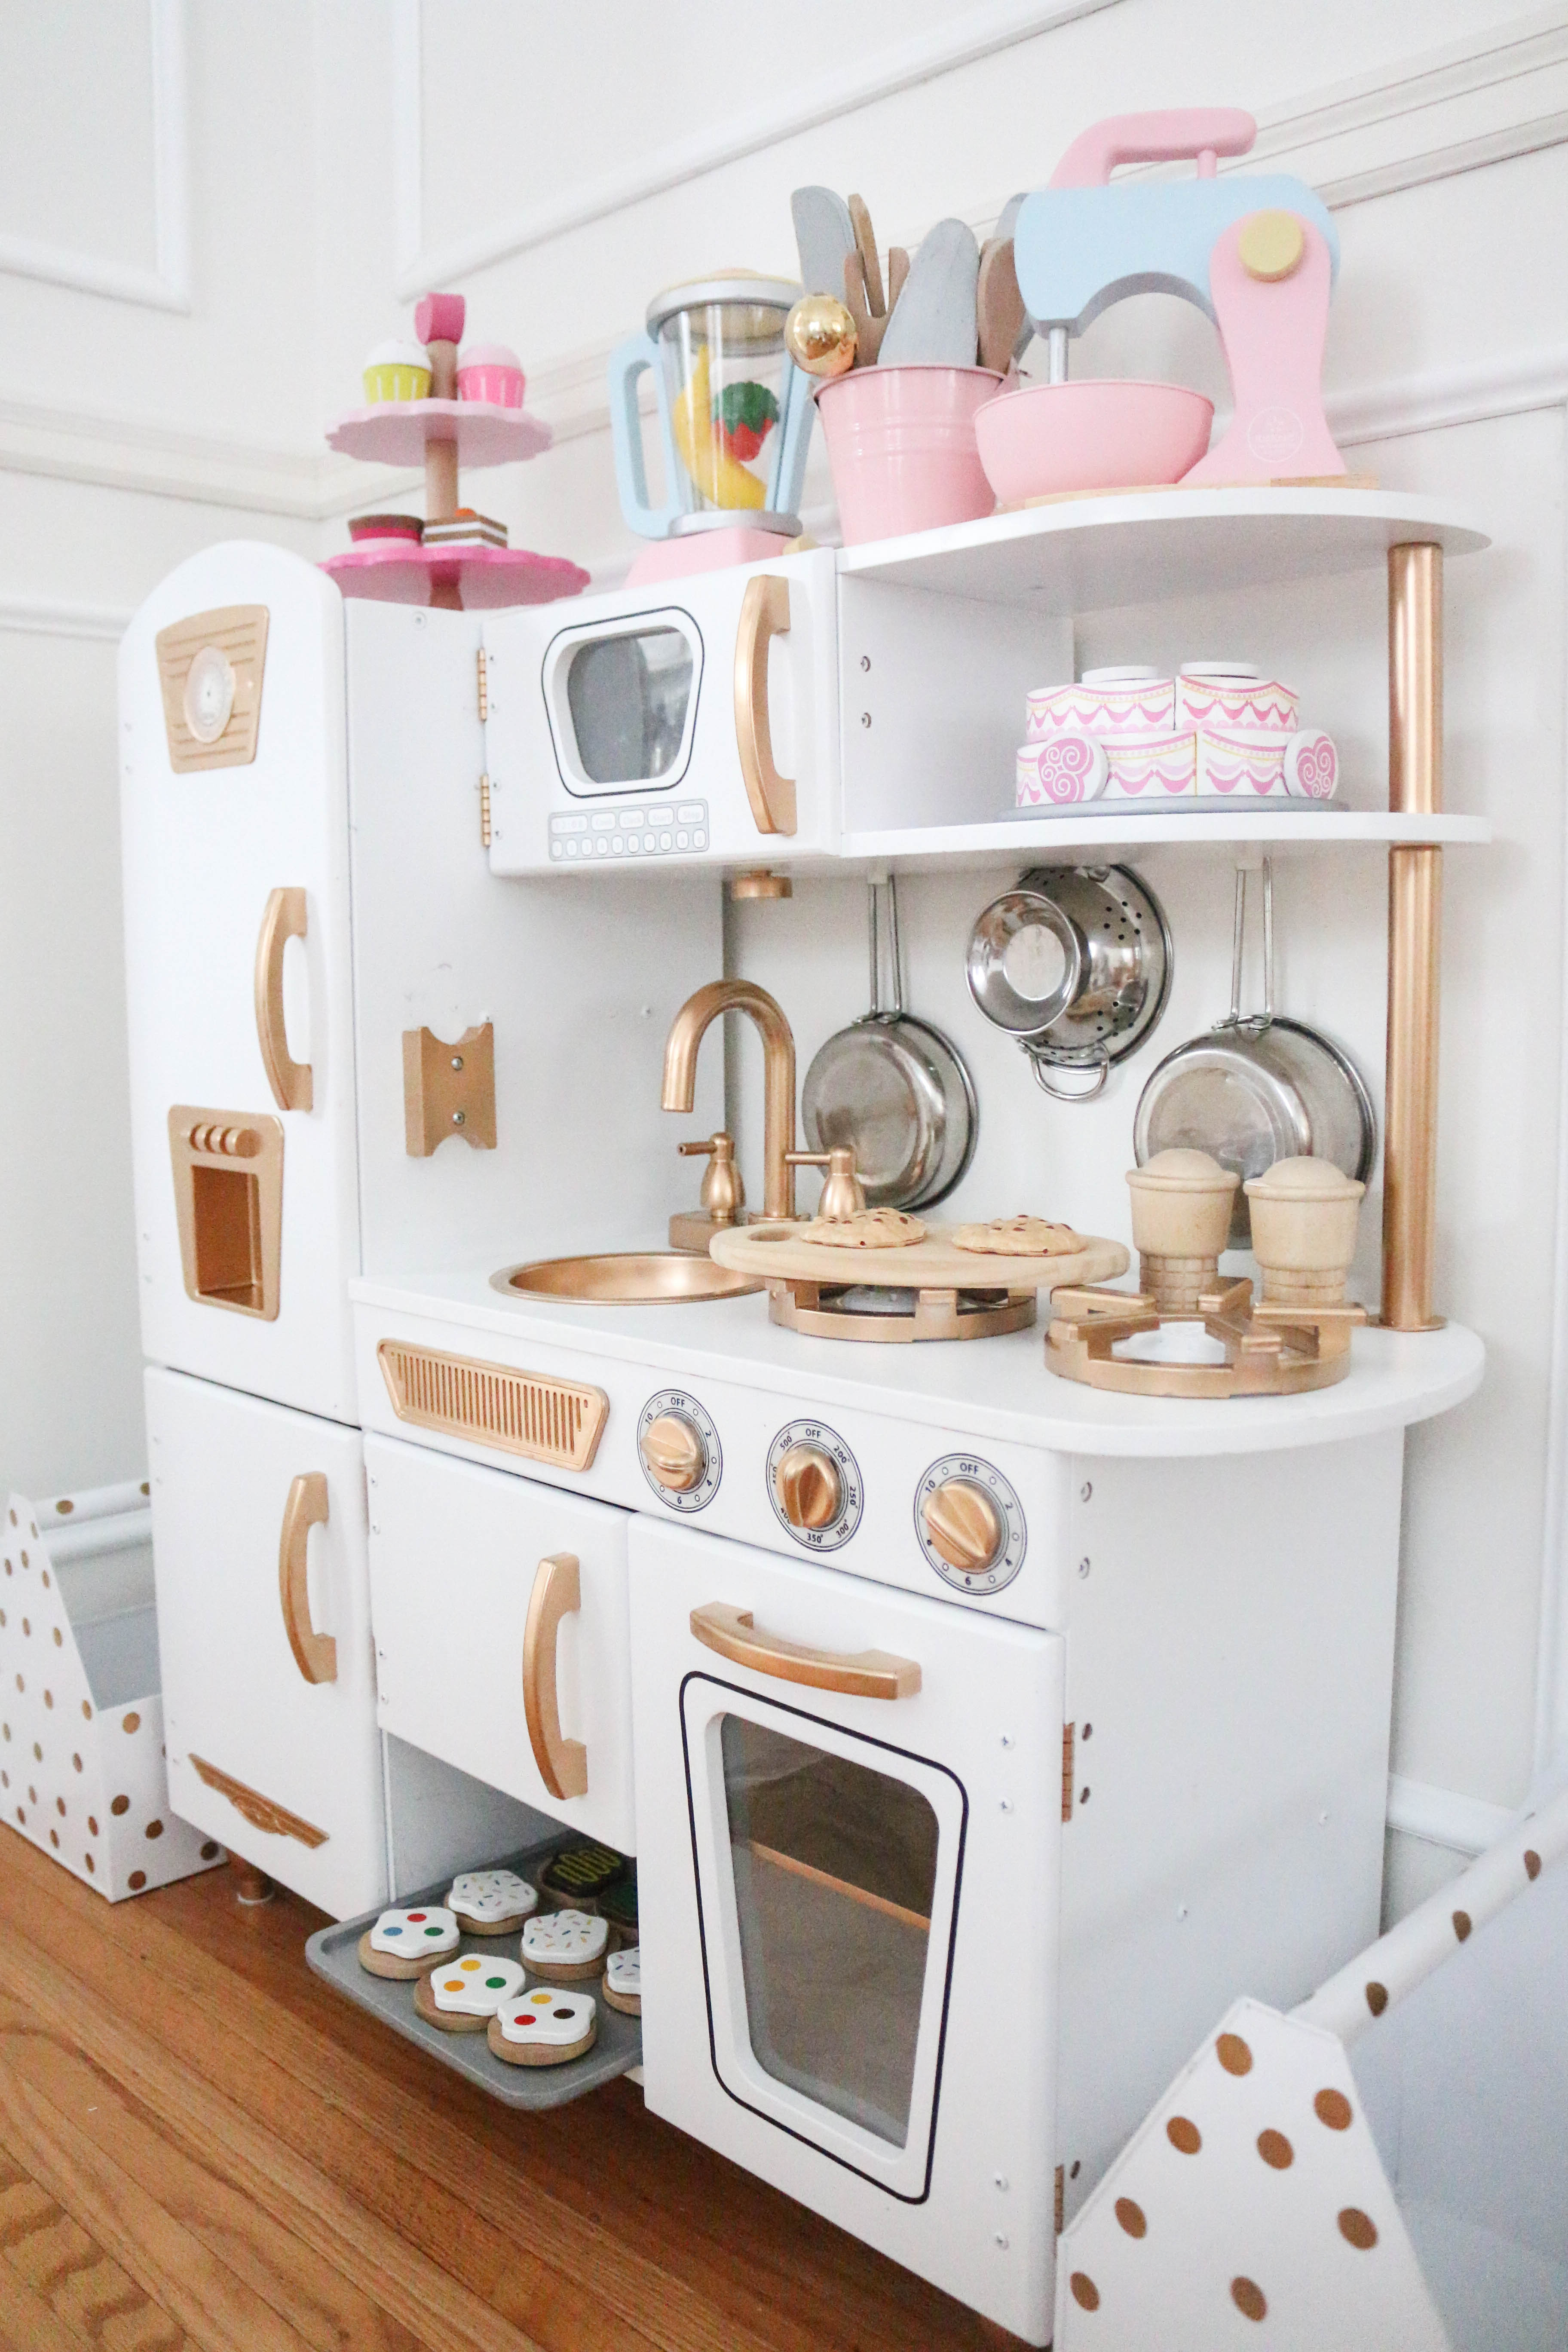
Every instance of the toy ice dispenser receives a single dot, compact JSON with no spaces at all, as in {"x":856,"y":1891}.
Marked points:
{"x":734,"y":419}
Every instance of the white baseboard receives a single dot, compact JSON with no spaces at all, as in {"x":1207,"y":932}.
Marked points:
{"x":1442,"y":1817}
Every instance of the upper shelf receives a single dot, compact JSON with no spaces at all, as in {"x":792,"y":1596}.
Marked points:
{"x":941,"y":848}
{"x":395,"y":432}
{"x":1143,"y":547}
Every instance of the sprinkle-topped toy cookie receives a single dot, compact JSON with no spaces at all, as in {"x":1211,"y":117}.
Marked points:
{"x":491,"y":1902}
{"x":407,"y":1943}
{"x":545,"y":2028}
{"x":623,"y":1981}
{"x":580,"y":1874}
{"x":460,"y":1995}
{"x":565,"y":1945}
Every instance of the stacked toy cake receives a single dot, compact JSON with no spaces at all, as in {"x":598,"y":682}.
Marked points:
{"x":1216,"y":734}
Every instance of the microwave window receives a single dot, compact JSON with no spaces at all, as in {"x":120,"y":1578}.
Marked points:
{"x":628,"y":696}
{"x":834,"y":1871}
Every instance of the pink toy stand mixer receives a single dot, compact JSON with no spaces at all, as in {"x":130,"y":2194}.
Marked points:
{"x":1257,"y":254}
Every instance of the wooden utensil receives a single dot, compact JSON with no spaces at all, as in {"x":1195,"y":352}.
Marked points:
{"x":824,"y":236}
{"x":869,"y":329}
{"x":866,"y":244}
{"x":934,"y":322}
{"x":998,"y":305}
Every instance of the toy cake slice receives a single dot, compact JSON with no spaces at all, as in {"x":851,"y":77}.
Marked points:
{"x":408,"y":1943}
{"x":466,"y":528}
{"x":462,"y":1996}
{"x":545,"y":2028}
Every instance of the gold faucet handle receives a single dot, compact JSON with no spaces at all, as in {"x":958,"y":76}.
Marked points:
{"x":843,"y":1195}
{"x":723,"y":1193}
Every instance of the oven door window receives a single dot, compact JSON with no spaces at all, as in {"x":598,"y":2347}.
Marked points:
{"x":622,"y":702}
{"x":833,"y":1872}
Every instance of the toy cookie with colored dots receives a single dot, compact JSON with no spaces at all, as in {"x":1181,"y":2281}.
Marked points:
{"x":491,"y":1902}
{"x":564,"y":1946}
{"x":407,"y":1943}
{"x":545,"y":2028}
{"x":623,"y":1981}
{"x":580,"y":1874}
{"x":460,"y":1995}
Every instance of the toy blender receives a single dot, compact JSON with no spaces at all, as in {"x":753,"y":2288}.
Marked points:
{"x":734,"y":417}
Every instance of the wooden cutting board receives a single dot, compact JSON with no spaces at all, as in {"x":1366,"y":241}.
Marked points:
{"x":931,"y":1265}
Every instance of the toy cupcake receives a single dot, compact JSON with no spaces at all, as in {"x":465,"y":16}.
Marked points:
{"x":491,"y":373}
{"x":397,"y":370}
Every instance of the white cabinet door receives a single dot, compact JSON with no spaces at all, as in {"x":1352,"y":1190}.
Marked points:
{"x":264,"y":1625}
{"x":246,"y":1236}
{"x":499,"y":1609}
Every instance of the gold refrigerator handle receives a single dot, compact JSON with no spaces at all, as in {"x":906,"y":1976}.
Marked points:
{"x":764,"y":615}
{"x":315,"y":1654}
{"x":557,"y":1591}
{"x":865,"y":1674}
{"x":1415,"y":939}
{"x":284,"y":920}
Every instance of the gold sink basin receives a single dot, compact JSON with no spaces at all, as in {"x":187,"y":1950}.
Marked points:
{"x":627,"y":1277}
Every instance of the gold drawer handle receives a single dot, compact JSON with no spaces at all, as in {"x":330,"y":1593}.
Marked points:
{"x":867,"y":1673}
{"x":284,"y":920}
{"x":557,"y":1591}
{"x":315,"y":1654}
{"x":764,"y":615}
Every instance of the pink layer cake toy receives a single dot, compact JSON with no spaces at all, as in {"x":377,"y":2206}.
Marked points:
{"x":1216,"y":735}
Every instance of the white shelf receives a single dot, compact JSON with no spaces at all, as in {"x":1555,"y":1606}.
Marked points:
{"x":1143,"y":547}
{"x":942,"y":848}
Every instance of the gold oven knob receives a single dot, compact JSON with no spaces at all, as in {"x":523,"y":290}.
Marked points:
{"x":963,"y":1525}
{"x":809,"y":1486}
{"x":673,"y":1452}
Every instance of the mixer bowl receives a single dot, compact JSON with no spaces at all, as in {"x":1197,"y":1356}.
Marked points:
{"x":1110,"y":433}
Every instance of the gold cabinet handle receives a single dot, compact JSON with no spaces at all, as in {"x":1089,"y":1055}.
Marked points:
{"x":315,"y":1654}
{"x":557,"y":1591}
{"x":284,"y":920}
{"x":764,"y":615}
{"x":867,"y":1673}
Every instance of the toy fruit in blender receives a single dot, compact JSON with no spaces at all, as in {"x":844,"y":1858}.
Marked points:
{"x":715,"y":440}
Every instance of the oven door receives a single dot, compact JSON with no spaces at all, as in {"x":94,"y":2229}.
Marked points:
{"x":849,"y":1806}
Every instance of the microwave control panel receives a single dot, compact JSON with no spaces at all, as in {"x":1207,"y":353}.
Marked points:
{"x":668,"y":829}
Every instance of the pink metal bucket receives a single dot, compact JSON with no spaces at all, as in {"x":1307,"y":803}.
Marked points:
{"x":900,"y":444}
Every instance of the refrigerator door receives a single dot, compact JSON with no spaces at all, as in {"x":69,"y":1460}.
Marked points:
{"x":501,"y":1632}
{"x":239,"y":994}
{"x":259,"y":1532}
{"x":849,"y":1801}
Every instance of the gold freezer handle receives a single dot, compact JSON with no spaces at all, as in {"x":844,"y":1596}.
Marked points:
{"x":764,"y":615}
{"x":284,"y":920}
{"x":867,"y":1673}
{"x":315,"y":1654}
{"x":557,"y":1591}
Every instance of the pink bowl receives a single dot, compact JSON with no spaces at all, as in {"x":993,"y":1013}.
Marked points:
{"x":1092,"y":435}
{"x":901,"y":445}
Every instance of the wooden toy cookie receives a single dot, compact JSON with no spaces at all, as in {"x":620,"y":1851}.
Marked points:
{"x":544,"y":2028}
{"x":491,"y":1902}
{"x":618,"y":1904}
{"x":623,"y":1981}
{"x":461,"y":1996}
{"x":867,"y":1229}
{"x":580,"y":1874}
{"x":407,"y":1943}
{"x":564,"y":1946}
{"x":1019,"y":1237}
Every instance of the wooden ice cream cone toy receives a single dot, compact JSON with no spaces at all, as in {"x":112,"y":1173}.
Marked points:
{"x":1181,"y":1216}
{"x":1305,"y":1212}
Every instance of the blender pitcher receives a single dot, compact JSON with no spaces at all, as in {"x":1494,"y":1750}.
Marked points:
{"x":734,"y":411}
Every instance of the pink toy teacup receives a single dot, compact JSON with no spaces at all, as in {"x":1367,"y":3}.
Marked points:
{"x":491,"y":373}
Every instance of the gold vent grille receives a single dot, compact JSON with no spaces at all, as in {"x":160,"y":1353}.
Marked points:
{"x":544,"y":1419}
{"x":237,"y":633}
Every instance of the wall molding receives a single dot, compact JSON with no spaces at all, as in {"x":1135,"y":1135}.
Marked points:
{"x":979,"y":32}
{"x":1442,"y":1817}
{"x":44,"y":616}
{"x":167,"y":285}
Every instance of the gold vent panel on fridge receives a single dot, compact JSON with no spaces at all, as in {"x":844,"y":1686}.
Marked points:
{"x":210,"y":668}
{"x":490,"y":1404}
{"x":228,"y":1201}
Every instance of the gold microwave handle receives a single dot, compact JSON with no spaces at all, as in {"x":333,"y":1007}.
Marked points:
{"x":557,"y":1591}
{"x":315,"y":1654}
{"x":284,"y":920}
{"x":867,"y":1673}
{"x":764,"y":615}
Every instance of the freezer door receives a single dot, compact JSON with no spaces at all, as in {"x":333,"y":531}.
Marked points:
{"x":258,"y":1536}
{"x":501,"y":1642}
{"x":237,"y":975}
{"x":849,"y":1804}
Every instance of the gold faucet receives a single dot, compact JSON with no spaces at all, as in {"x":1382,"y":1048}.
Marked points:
{"x":778,"y":1075}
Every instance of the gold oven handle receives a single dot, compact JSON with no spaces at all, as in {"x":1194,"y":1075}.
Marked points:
{"x":315,"y":1654}
{"x":557,"y":1591}
{"x":764,"y":615}
{"x":867,"y":1673}
{"x":284,"y":920}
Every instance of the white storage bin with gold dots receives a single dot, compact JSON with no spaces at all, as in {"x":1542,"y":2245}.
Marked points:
{"x":81,"y":1714}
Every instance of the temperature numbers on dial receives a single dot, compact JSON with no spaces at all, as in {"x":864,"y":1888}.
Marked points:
{"x":677,"y":1405}
{"x":954,"y":1474}
{"x":801,"y":1438}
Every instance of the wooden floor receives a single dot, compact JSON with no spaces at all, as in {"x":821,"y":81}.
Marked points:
{"x":201,"y":2145}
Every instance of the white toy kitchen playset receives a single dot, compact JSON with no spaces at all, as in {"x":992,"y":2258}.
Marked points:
{"x":980,"y":1729}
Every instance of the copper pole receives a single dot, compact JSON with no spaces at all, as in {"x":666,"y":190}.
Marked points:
{"x":1415,"y":939}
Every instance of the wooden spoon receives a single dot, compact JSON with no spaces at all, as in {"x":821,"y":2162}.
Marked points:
{"x":998,"y":305}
